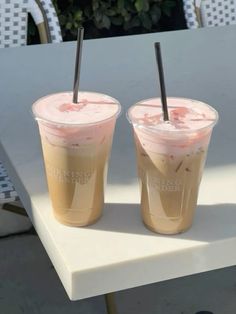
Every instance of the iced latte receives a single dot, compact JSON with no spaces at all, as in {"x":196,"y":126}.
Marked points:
{"x":171,"y":157}
{"x":76,"y":142}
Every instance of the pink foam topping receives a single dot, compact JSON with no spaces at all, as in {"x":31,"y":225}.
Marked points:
{"x":92,"y":108}
{"x":184,"y":114}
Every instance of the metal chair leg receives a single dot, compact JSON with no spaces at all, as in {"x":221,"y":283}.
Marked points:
{"x":110,"y":303}
{"x":14,"y":209}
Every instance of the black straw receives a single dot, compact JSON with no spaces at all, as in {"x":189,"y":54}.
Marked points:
{"x":162,"y":81}
{"x":77,"y":64}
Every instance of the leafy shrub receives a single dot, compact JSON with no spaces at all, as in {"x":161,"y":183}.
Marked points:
{"x":107,"y":18}
{"x":112,"y":18}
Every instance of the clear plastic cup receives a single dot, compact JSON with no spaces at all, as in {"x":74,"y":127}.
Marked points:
{"x":76,"y":141}
{"x":171,"y":157}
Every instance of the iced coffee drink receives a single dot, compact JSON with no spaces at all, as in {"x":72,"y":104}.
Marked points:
{"x":76,"y":141}
{"x":171,"y":157}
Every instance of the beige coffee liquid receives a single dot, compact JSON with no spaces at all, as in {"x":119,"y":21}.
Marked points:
{"x":169,"y":188}
{"x":76,"y":178}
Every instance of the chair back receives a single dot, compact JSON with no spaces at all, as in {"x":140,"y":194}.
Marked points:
{"x":51,"y":20}
{"x":14,"y":21}
{"x":7,"y":191}
{"x":13,"y":33}
{"x":209,"y":13}
{"x":218,"y":12}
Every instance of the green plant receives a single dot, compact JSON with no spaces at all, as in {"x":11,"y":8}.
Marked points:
{"x":110,"y":17}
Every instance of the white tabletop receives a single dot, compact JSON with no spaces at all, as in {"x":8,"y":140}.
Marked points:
{"x":118,"y":252}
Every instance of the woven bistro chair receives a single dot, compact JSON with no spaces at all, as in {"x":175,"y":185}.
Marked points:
{"x":209,"y":13}
{"x":13,"y":33}
{"x":53,"y":29}
{"x":14,"y":22}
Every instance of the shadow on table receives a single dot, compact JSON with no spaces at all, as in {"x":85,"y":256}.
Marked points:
{"x":211,"y":222}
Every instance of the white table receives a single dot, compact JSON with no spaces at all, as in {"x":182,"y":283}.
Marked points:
{"x":118,"y":252}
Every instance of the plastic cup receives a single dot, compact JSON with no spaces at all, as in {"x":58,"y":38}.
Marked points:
{"x":171,"y":157}
{"x":76,"y":142}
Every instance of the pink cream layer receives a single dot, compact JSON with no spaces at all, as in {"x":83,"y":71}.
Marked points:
{"x":188,"y":129}
{"x":63,"y":122}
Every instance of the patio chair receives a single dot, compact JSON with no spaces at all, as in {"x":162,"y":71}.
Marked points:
{"x":209,"y":13}
{"x":14,"y":20}
{"x":13,"y":33}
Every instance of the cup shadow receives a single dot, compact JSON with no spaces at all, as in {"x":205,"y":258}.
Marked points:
{"x":211,"y":222}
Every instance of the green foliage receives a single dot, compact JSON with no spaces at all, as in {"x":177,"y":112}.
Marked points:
{"x":108,"y":17}
{"x":111,"y":17}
